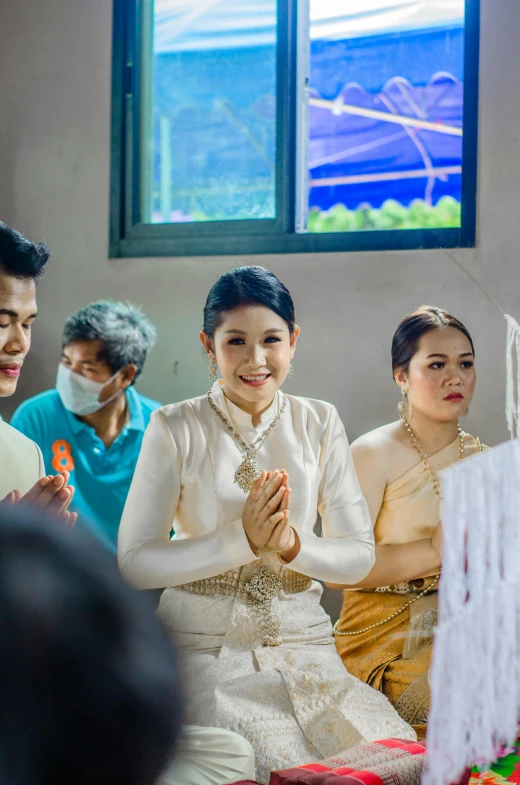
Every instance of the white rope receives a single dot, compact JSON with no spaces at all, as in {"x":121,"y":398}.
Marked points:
{"x":513,"y":380}
{"x":475,"y":674}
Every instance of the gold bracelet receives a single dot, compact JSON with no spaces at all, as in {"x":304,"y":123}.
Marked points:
{"x":285,"y":547}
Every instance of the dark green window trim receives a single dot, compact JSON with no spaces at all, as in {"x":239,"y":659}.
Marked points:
{"x":130,"y":238}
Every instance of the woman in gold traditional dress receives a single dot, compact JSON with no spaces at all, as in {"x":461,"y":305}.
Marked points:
{"x":384,"y":634}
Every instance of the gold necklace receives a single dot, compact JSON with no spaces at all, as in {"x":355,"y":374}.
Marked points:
{"x":249,"y":470}
{"x":418,"y":447}
{"x":437,"y":488}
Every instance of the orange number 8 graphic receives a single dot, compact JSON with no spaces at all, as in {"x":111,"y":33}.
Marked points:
{"x":62,"y":460}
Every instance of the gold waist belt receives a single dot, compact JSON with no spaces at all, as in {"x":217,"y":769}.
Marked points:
{"x":258,"y":589}
{"x":261,"y":586}
{"x":406,"y":588}
{"x":417,"y":588}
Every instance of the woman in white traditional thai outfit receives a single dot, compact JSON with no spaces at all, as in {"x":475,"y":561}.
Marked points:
{"x":240,"y":475}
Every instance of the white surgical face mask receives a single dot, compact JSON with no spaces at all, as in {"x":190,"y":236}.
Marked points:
{"x":81,"y":395}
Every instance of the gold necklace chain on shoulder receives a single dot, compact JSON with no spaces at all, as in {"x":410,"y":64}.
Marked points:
{"x":418,"y":447}
{"x":249,"y":470}
{"x":437,"y":488}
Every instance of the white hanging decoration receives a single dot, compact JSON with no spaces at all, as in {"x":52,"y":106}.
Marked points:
{"x":513,"y":376}
{"x":475,"y":673}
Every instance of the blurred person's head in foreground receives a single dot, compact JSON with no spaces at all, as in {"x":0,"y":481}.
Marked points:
{"x":89,"y":686}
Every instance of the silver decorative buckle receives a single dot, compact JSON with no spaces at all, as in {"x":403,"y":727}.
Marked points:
{"x":260,"y":591}
{"x":263,"y":585}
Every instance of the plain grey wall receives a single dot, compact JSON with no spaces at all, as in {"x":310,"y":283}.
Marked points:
{"x":55,"y":72}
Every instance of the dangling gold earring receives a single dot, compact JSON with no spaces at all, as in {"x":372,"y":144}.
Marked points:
{"x":402,"y":406}
{"x":213,"y":371}
{"x":466,"y":412}
{"x":290,"y":372}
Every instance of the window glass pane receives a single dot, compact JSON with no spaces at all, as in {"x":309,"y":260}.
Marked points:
{"x":208,"y":124}
{"x":384,"y":115}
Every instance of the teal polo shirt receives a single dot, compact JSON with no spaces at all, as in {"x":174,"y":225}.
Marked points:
{"x":100,"y":476}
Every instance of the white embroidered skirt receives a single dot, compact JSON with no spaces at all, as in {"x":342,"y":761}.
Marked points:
{"x":295,"y":702}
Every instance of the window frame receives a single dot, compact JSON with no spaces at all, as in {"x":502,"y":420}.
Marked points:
{"x":130,"y":238}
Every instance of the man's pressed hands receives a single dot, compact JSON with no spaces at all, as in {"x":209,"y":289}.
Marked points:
{"x":51,"y":494}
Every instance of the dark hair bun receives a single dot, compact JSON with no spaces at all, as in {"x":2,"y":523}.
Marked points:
{"x":247,"y":286}
{"x":405,"y":342}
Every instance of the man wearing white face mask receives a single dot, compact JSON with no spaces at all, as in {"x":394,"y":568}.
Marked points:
{"x":92,"y":423}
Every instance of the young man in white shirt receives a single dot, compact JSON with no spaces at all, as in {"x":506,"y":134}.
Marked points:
{"x":22,"y":472}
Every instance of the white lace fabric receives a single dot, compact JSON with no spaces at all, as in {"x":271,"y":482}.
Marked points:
{"x":294,"y":702}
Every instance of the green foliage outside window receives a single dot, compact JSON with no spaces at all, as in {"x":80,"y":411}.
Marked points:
{"x":391,"y":215}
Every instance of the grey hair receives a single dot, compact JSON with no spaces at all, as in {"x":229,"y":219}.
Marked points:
{"x":126,"y":333}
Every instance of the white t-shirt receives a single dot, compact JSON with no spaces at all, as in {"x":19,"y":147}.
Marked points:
{"x":21,"y":462}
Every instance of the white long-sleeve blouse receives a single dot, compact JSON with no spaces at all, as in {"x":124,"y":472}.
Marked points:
{"x":184,"y":480}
